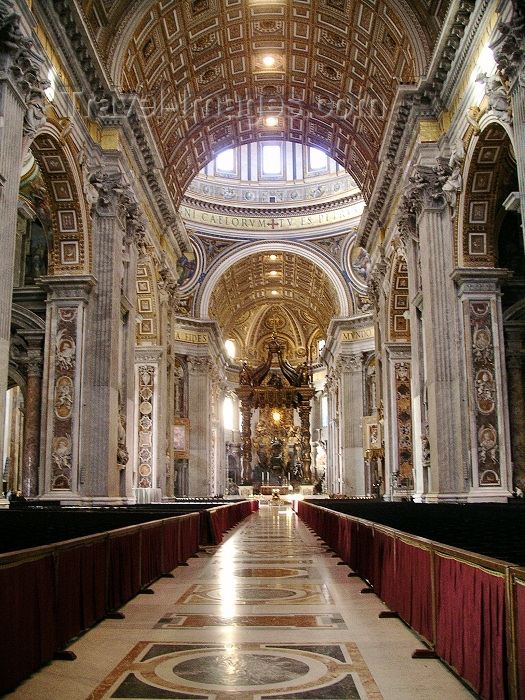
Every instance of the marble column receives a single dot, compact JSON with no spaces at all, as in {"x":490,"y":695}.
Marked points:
{"x":132,"y":243}
{"x":109,"y":231}
{"x":33,"y":412}
{"x":246,"y":439}
{"x":351,"y":384}
{"x":401,"y":434}
{"x":65,"y":415}
{"x":449,"y":471}
{"x":420,"y":445}
{"x":488,"y":431}
{"x":334,"y":472}
{"x":306,"y":450}
{"x":515,"y":354}
{"x":199,"y":402}
{"x":218,"y":465}
{"x":19,"y":83}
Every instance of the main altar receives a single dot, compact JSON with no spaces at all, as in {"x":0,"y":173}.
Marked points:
{"x":278,"y":454}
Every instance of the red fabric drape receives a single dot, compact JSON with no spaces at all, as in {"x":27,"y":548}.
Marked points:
{"x":414,"y":592}
{"x":27,"y":632}
{"x":386,"y":583}
{"x":170,"y":537}
{"x":123,"y":567}
{"x":520,"y":634}
{"x":344,"y":540}
{"x":150,"y":552}
{"x":471,"y":624}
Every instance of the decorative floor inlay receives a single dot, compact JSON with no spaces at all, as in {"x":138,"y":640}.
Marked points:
{"x":250,"y":671}
{"x":294,"y":594}
{"x":274,"y":561}
{"x":327,"y":621}
{"x":252,"y":572}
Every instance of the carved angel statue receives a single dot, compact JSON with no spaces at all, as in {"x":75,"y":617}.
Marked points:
{"x":497,"y":96}
{"x":454,"y":182}
{"x":362,"y":265}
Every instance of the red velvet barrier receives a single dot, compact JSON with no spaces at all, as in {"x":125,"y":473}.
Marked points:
{"x":51,"y":594}
{"x":385,"y":582}
{"x":170,"y":536}
{"x":192,"y":539}
{"x":150,"y":552}
{"x":354,"y":551}
{"x":520,"y":633}
{"x":471,"y":624}
{"x":471,"y":617}
{"x":364,"y":545}
{"x":413,"y":595}
{"x":27,"y":632}
{"x":225,"y":517}
{"x":81,"y":587}
{"x":93,"y":574}
{"x":123,"y":566}
{"x":344,"y":540}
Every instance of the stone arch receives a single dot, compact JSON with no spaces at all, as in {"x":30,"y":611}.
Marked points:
{"x":345,"y":300}
{"x":70,"y":221}
{"x":489,"y":170}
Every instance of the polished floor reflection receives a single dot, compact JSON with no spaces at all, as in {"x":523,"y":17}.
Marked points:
{"x":269,"y":614}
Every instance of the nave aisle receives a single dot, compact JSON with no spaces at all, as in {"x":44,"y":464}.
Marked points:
{"x":267,"y":614}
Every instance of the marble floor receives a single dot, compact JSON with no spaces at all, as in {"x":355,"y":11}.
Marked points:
{"x":268,"y":614}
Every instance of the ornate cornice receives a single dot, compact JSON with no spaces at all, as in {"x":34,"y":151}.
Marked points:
{"x":267,"y":213}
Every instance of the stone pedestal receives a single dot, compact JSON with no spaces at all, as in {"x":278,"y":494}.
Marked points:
{"x":480,"y":298}
{"x":147,"y":454}
{"x":65,"y":425}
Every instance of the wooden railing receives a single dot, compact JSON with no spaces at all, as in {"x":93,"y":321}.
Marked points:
{"x":52,"y":593}
{"x":469,"y":608}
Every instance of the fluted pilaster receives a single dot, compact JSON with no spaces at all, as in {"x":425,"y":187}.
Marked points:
{"x":449,"y":468}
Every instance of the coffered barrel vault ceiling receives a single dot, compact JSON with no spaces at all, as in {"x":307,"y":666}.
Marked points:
{"x":197,"y":66}
{"x":281,"y":292}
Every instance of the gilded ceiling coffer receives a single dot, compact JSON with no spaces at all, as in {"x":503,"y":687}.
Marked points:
{"x":254,"y":394}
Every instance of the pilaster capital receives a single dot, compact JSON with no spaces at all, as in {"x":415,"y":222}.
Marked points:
{"x":375,"y":281}
{"x":425,"y":190}
{"x":449,"y":177}
{"x":350,"y":363}
{"x":34,"y":339}
{"x":149,"y":355}
{"x":200,"y":365}
{"x":112,"y":192}
{"x":21,"y":64}
{"x":168,"y":283}
{"x":476,"y":280}
{"x":68,"y":288}
{"x":509,"y":44}
{"x":406,"y":223}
